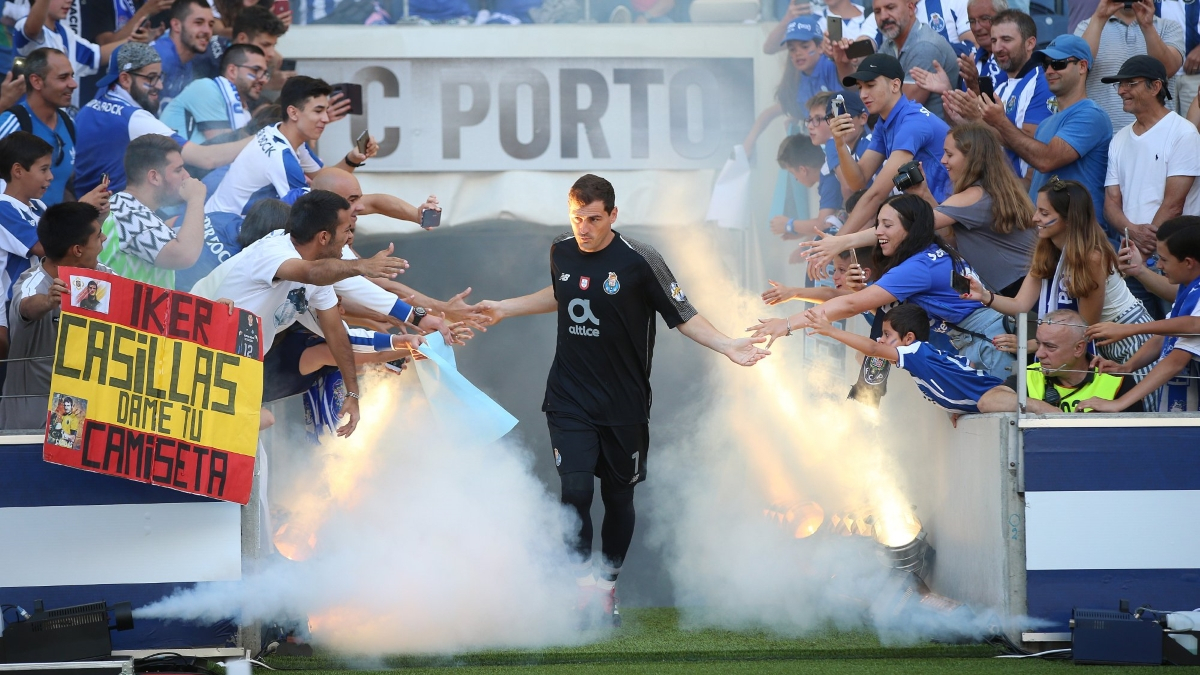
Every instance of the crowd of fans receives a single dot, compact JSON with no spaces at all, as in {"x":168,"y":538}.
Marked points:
{"x":189,"y":165}
{"x":995,"y":178}
{"x":964,"y":176}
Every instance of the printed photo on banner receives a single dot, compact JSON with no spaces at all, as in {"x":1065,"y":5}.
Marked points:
{"x":67,"y":414}
{"x":155,"y":386}
{"x":90,"y":294}
{"x":248,"y":332}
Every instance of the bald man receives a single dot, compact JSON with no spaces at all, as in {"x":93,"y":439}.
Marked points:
{"x":1062,"y":376}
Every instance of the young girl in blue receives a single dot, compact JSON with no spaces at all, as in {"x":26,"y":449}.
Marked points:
{"x":918,"y":267}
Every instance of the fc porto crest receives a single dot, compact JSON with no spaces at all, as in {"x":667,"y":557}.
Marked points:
{"x":1052,"y":105}
{"x":585,"y":283}
{"x":677,"y":292}
{"x":557,"y":458}
{"x":937,"y":23}
{"x":1011,"y":106}
{"x":611,"y":285}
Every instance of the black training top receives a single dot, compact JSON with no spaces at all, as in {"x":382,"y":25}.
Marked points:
{"x":606,"y":306}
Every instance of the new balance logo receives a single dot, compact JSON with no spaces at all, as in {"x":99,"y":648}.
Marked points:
{"x":564,"y":276}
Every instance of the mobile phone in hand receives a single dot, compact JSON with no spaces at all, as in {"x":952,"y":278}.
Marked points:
{"x":353,"y":93}
{"x":288,"y":65}
{"x":961,"y":284}
{"x":987,"y":87}
{"x":834,"y":24}
{"x":281,"y":7}
{"x":859,"y":49}
{"x":431,"y":218}
{"x":360,"y":143}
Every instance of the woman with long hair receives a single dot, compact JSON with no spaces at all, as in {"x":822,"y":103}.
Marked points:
{"x":916,"y":265}
{"x":989,"y":218}
{"x":1074,"y":267}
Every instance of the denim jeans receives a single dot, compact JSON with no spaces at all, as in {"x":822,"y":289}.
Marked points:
{"x":979,"y":351}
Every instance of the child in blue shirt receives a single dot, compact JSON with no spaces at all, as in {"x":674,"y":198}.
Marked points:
{"x":947,"y":380}
{"x":25,"y":165}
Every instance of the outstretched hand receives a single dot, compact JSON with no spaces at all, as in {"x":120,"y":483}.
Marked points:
{"x":934,"y":81}
{"x":744,"y":352}
{"x":778,"y":293}
{"x":769,"y":328}
{"x":382,"y":264}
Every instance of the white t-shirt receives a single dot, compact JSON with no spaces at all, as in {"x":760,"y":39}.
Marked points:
{"x":268,"y":165}
{"x":251,"y":283}
{"x":1140,"y":165}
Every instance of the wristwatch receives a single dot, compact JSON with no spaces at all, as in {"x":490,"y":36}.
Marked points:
{"x":418,"y":313}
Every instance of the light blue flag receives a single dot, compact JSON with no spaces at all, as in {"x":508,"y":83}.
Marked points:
{"x":460,"y":408}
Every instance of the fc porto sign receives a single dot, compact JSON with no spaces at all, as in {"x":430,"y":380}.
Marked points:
{"x":544,"y":114}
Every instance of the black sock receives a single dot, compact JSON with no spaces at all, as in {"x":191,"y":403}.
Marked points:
{"x":617,"y":530}
{"x":578,"y":487}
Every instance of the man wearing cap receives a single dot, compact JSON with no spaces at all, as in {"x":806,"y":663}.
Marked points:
{"x":1024,"y":98}
{"x":1114,"y":34}
{"x":124,"y":109}
{"x":914,"y":44}
{"x":1073,"y":142}
{"x":1152,"y":163}
{"x":905,"y":131}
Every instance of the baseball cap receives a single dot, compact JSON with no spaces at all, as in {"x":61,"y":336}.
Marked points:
{"x":1066,"y":46}
{"x":1142,"y":65}
{"x":872,"y":67}
{"x":807,"y":27}
{"x":854,"y":104}
{"x":128,"y":57}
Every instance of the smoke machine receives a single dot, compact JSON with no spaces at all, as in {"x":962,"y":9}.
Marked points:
{"x":74,"y":633}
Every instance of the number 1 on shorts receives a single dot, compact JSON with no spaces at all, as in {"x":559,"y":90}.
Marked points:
{"x":637,"y":456}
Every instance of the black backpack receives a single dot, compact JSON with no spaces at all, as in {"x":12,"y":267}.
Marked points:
{"x":26,"y":122}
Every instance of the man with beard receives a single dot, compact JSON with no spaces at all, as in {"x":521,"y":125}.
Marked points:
{"x":915,"y":44}
{"x":1024,"y":99}
{"x":51,"y":84}
{"x":191,"y":31}
{"x":45,"y":27}
{"x":123,"y":111}
{"x":139,"y":244}
{"x":217,"y":106}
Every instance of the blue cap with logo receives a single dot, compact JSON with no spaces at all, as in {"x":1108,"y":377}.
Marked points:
{"x":1066,"y":46}
{"x":807,"y":27}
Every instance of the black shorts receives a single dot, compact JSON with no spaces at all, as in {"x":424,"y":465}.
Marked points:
{"x":616,"y":454}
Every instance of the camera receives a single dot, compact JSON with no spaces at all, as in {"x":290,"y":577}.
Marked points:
{"x":908,"y":176}
{"x":839,"y":105}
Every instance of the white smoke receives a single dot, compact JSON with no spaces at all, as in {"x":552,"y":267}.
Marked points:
{"x":730,"y":482}
{"x":420,"y":545}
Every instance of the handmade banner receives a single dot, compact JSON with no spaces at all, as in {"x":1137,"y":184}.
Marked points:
{"x":156,"y":386}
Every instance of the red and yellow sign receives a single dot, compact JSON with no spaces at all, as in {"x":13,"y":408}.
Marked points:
{"x":157,"y":386}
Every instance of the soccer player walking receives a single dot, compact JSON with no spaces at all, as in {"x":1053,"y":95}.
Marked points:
{"x":606,"y":289}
